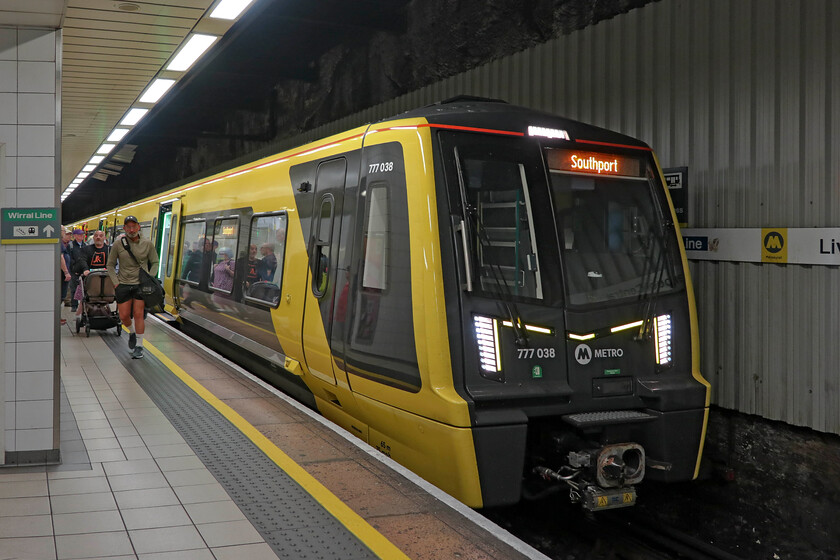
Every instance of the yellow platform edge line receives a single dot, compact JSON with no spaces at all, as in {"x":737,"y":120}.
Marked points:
{"x":372,"y":538}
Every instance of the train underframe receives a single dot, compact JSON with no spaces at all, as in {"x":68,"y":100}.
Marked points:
{"x":601,"y":457}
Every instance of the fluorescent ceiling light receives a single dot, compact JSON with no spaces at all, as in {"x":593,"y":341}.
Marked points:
{"x":96,"y":159}
{"x":82,"y":176}
{"x":189,"y":53}
{"x":105,"y":148}
{"x":230,"y":9}
{"x":117,"y":134}
{"x":157,"y":90}
{"x":88,"y":168}
{"x":133,"y":116}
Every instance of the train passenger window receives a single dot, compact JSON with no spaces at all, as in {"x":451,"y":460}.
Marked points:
{"x":376,"y":236}
{"x":170,"y":257}
{"x":225,"y":237}
{"x":195,"y":244}
{"x":146,"y":232}
{"x":266,"y":249}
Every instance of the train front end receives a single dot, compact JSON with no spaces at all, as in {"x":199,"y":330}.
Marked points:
{"x":578,"y":350}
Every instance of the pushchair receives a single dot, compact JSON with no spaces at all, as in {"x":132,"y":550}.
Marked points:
{"x":97,"y":297}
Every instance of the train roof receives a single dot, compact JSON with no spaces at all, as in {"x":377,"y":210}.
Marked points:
{"x":496,"y":114}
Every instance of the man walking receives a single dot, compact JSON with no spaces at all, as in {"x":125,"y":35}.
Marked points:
{"x":132,"y":252}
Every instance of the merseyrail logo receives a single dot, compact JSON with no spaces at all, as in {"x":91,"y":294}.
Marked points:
{"x":583,"y":354}
{"x":774,"y":245}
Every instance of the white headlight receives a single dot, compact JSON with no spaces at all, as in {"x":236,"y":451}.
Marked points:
{"x":662,"y":336}
{"x":487,"y":337}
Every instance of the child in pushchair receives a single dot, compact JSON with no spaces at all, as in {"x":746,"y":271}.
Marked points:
{"x":97,"y":297}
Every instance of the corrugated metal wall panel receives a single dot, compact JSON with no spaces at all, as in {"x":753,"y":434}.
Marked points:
{"x":746,"y":93}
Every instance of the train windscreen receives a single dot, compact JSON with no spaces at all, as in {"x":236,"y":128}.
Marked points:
{"x":615,"y":242}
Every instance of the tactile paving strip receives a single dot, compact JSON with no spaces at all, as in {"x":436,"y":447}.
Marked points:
{"x":293,"y":524}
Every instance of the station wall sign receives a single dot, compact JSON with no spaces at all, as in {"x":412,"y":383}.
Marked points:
{"x":676,"y":179}
{"x":29,"y":225}
{"x":815,"y":246}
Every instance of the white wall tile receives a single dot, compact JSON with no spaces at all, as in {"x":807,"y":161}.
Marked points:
{"x":35,"y":172}
{"x":9,"y":198}
{"x":9,"y":360}
{"x":8,"y":103}
{"x":36,"y":140}
{"x":33,"y":440}
{"x":10,"y":414}
{"x":34,"y":414}
{"x":36,"y":198}
{"x":10,"y":265}
{"x":11,"y":326}
{"x":36,"y":44}
{"x":36,"y":108}
{"x":36,"y":295}
{"x":11,"y":296}
{"x":10,"y":179}
{"x":8,"y":43}
{"x":32,"y":327}
{"x":8,"y":76}
{"x":33,"y":263}
{"x":33,"y":385}
{"x":36,"y":77}
{"x":10,"y":440}
{"x":8,"y":136}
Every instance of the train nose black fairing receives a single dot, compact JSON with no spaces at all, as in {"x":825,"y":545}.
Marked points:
{"x":509,"y":259}
{"x":545,"y":236}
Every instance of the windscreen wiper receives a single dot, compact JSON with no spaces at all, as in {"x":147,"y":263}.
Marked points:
{"x":505,"y":297}
{"x":650,"y":292}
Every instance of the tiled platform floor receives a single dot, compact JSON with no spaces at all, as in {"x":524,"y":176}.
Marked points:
{"x":148,"y":496}
{"x":145,"y":495}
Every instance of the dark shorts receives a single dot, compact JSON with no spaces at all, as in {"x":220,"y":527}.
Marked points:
{"x":125,"y":292}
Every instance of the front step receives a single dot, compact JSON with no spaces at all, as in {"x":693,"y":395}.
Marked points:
{"x":607,"y":417}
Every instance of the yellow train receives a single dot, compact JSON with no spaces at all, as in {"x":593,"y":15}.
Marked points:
{"x":495,"y":297}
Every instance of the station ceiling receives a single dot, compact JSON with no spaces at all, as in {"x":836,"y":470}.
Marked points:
{"x":112,"y":49}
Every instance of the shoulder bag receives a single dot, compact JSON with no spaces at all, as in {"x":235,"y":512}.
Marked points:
{"x":150,"y":287}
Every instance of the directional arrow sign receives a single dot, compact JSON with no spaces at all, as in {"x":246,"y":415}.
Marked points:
{"x":28,"y":225}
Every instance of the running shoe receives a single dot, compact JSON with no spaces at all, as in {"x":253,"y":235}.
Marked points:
{"x":132,"y":341}
{"x":137,"y":353}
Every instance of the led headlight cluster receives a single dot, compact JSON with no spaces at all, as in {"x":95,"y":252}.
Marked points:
{"x":662,"y":336}
{"x":487,"y":336}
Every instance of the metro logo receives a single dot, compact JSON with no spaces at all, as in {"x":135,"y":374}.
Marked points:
{"x":773,"y":245}
{"x":583,"y":354}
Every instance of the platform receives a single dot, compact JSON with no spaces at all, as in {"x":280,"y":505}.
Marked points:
{"x":184,"y":455}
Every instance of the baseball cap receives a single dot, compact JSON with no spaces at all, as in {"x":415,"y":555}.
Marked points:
{"x":78,"y":230}
{"x":130,"y":219}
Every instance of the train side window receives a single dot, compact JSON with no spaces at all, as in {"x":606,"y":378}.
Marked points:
{"x":376,"y":236}
{"x":266,"y":250}
{"x":225,"y":238}
{"x":195,"y":244}
{"x":170,"y":257}
{"x":146,"y":232}
{"x":321,"y":259}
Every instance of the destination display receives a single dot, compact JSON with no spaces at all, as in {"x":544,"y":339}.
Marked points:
{"x":597,"y":163}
